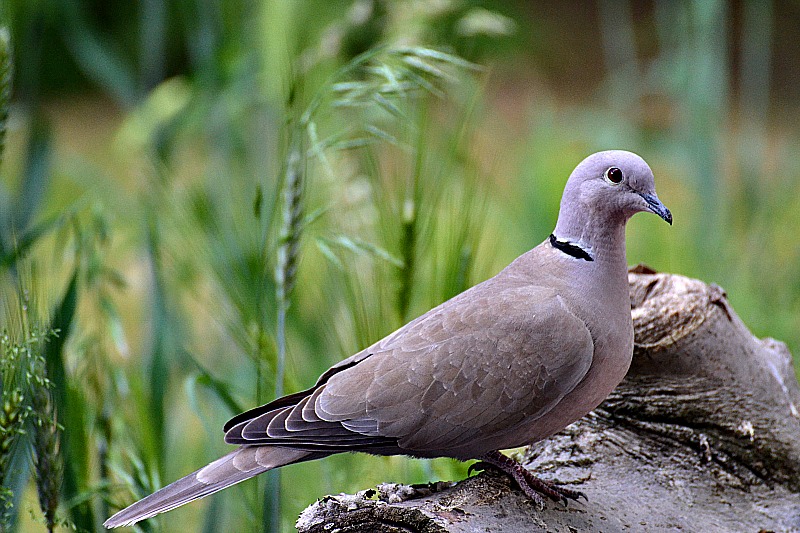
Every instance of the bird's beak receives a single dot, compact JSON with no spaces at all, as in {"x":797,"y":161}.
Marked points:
{"x":657,"y":207}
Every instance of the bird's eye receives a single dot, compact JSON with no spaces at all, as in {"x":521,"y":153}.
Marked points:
{"x":614,"y":175}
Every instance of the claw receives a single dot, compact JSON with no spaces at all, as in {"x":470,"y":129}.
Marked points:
{"x":531,"y":485}
{"x":480,"y":466}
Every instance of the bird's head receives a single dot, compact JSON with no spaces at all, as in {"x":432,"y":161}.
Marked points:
{"x":614,"y":184}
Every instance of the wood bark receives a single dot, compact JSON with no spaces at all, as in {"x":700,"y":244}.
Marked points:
{"x":702,"y":435}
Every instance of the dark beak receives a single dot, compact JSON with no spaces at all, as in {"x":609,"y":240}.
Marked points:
{"x":657,"y":207}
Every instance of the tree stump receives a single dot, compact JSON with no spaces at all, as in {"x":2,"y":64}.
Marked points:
{"x":702,"y":435}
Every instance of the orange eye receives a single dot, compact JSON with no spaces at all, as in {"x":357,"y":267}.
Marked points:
{"x":614,"y":175}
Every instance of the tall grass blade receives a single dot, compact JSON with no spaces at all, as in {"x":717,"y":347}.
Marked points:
{"x":13,"y":417}
{"x":70,"y":407}
{"x":16,"y":248}
{"x":157,"y":368}
{"x":37,"y":173}
{"x":98,"y":57}
{"x":220,"y":389}
{"x":360,"y":247}
{"x":152,"y":49}
{"x":17,"y":234}
{"x":212,"y":522}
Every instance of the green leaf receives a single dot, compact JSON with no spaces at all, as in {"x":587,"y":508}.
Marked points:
{"x":258,"y":202}
{"x":70,"y":409}
{"x":441,"y":56}
{"x":99,"y":58}
{"x":360,"y":247}
{"x":382,"y":135}
{"x":28,"y":240}
{"x":114,"y":323}
{"x":388,"y":106}
{"x":349,"y":86}
{"x":328,"y":253}
{"x":419,"y":64}
{"x":37,"y":173}
{"x":352,"y":144}
{"x":421,"y":82}
{"x":220,"y":389}
{"x":386,"y":71}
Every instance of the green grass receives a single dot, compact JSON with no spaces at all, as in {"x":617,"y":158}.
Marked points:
{"x":314,"y":180}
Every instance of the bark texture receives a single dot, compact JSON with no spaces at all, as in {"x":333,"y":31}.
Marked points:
{"x":702,"y":435}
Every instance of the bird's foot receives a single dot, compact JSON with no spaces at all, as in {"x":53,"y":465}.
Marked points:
{"x":533,"y":486}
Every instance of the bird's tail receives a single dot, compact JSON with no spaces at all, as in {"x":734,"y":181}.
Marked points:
{"x":244,"y":463}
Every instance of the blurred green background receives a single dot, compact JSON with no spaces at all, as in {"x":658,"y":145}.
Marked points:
{"x":200,"y":196}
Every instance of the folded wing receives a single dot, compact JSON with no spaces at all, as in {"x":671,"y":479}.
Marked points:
{"x":448,"y":384}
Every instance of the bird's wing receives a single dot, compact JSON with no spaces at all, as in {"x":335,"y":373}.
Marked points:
{"x":473,"y":367}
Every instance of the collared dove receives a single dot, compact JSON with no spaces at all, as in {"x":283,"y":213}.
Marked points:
{"x":506,"y":363}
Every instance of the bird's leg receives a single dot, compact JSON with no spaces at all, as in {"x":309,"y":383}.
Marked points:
{"x":534,"y":487}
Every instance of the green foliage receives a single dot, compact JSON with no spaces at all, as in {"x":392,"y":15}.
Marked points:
{"x":28,"y":420}
{"x":277,"y":185}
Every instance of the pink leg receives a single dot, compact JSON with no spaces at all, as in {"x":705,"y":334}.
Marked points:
{"x":531,"y":485}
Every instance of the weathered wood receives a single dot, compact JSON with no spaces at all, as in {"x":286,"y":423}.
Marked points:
{"x":703,"y":435}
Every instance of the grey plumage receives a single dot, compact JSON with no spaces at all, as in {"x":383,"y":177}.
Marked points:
{"x":508,"y":362}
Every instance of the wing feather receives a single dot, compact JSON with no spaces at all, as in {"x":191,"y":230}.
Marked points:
{"x":491,"y":366}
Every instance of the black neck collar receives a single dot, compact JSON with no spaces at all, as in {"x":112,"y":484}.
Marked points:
{"x":570,"y":249}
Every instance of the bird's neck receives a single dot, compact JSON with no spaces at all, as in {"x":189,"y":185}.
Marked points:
{"x":602,"y":241}
{"x":604,"y":278}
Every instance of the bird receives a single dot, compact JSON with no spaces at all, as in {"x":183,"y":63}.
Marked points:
{"x":508,"y":362}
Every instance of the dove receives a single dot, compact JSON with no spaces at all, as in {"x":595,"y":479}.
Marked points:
{"x":506,"y":363}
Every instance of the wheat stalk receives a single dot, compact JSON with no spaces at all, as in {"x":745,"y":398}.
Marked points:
{"x":46,"y":444}
{"x":6,"y":71}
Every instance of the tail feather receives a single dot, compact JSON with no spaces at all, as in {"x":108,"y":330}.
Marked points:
{"x":244,"y":463}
